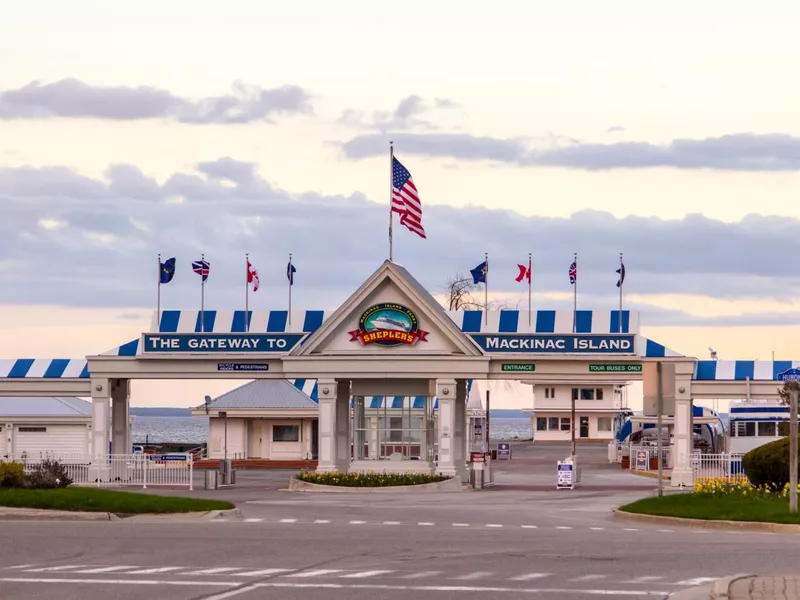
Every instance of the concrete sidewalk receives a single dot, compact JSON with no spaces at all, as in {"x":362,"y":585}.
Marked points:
{"x":746,"y":587}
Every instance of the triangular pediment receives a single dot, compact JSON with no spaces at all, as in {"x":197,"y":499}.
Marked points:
{"x":392,"y":314}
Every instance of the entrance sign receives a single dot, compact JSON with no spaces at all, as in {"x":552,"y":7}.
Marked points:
{"x":555,"y":344}
{"x":641,"y":460}
{"x":566,"y":475}
{"x":504,"y":451}
{"x":388,"y":324}
{"x":526,"y":368}
{"x":789,"y":375}
{"x":242,"y":367}
{"x":615,"y":368}
{"x":238,"y":343}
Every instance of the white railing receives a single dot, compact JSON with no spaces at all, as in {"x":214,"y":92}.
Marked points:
{"x":138,"y":470}
{"x":718,"y":466}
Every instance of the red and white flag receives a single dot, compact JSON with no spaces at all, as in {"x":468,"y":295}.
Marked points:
{"x":252,"y":276}
{"x":405,"y":199}
{"x":524,"y":273}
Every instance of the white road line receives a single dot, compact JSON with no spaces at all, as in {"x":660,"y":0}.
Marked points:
{"x":213,"y":571}
{"x":357,"y":522}
{"x":475,"y":575}
{"x":460,"y":524}
{"x":321,"y":521}
{"x":697,"y":581}
{"x":630,"y":529}
{"x":107,"y":569}
{"x":364,"y":574}
{"x":262,"y":572}
{"x":288,"y":521}
{"x":60,"y":568}
{"x":315,"y":573}
{"x":178,"y":582}
{"x":17,"y":567}
{"x":530,"y":576}
{"x":155,"y":570}
{"x":421,"y":574}
{"x":253,"y":520}
{"x":562,"y":527}
{"x":645,"y":579}
{"x":666,"y":531}
{"x":391,"y":522}
{"x":529,"y":526}
{"x":493,"y":525}
{"x":425,"y":524}
{"x":589,"y":577}
{"x":597,"y":528}
{"x":232,"y":593}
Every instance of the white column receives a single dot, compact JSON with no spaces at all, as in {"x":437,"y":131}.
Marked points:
{"x":374,"y":439}
{"x":682,"y":474}
{"x":342,"y":426}
{"x":120,"y":416}
{"x":460,"y":437}
{"x":326,"y":448}
{"x":446,"y":392}
{"x":101,"y":394}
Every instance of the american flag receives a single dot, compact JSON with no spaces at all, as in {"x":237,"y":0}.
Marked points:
{"x":573,"y":272}
{"x":405,"y":199}
{"x":202,"y":268}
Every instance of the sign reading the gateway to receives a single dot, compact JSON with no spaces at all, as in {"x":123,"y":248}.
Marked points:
{"x":238,"y":343}
{"x":388,"y":324}
{"x":569,"y":343}
{"x":615,"y":368}
{"x":525,"y":368}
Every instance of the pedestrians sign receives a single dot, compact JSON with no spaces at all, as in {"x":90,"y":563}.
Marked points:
{"x":504,"y":451}
{"x":789,"y":375}
{"x":566,"y":478}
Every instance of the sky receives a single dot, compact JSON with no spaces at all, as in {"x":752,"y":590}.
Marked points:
{"x":668,"y":133}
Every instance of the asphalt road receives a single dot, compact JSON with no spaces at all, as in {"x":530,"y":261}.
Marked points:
{"x":504,"y":542}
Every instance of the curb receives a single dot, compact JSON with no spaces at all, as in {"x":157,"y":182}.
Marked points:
{"x":222,"y":514}
{"x":707,"y":524}
{"x":649,"y":474}
{"x":32,"y":514}
{"x":722,"y":586}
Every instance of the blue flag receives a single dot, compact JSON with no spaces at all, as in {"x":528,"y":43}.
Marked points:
{"x":167,"y":270}
{"x":479,"y":273}
{"x":621,"y":272}
{"x":290,"y":271}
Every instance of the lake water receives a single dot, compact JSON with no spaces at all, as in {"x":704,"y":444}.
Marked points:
{"x":195,"y":429}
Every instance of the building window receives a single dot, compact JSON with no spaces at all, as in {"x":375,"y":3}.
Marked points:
{"x":745,"y":429}
{"x":598,"y":394}
{"x":767,"y":429}
{"x":552,"y":423}
{"x":285,"y":433}
{"x":565,"y":425}
{"x":32,"y":429}
{"x":546,"y":392}
{"x":603,"y":423}
{"x":541,"y":424}
{"x":587,"y":394}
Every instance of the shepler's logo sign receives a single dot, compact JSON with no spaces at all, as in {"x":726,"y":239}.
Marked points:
{"x":388,"y":325}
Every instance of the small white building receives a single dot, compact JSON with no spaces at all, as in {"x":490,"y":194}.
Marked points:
{"x":598,"y":408}
{"x":38,"y":426}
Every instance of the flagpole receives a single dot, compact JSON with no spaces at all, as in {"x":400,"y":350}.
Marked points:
{"x":621,"y":283}
{"x":530,"y":278}
{"x":486,"y":292}
{"x":391,"y":214}
{"x":202,"y":295}
{"x":158,"y":309}
{"x":246,"y":291}
{"x":290,"y":278}
{"x":575,"y":298}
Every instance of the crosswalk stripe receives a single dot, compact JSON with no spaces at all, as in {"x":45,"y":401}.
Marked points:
{"x":155,"y":570}
{"x":364,"y":574}
{"x":262,"y":572}
{"x":421,"y":574}
{"x":214,"y":571}
{"x":530,"y":576}
{"x":107,"y":569}
{"x":315,"y":573}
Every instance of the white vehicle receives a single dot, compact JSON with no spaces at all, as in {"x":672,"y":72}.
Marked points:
{"x":754,"y":423}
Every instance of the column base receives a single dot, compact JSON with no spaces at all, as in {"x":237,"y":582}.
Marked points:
{"x":682,"y":478}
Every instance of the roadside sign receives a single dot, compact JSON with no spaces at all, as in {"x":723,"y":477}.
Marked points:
{"x":789,"y":375}
{"x":504,"y":451}
{"x":566,"y":475}
{"x":168,"y":457}
{"x":524,"y":368}
{"x":477,"y":457}
{"x":242,"y":367}
{"x":616,"y":368}
{"x":641,"y":460}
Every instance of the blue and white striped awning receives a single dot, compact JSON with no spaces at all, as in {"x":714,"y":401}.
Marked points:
{"x":395,"y":402}
{"x":740,"y":370}
{"x":44,"y":368}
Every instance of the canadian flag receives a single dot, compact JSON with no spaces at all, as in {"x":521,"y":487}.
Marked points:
{"x":524,"y":273}
{"x":252,"y":276}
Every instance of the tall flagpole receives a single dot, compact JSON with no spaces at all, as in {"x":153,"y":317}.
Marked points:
{"x":486,"y":292}
{"x":621,"y":283}
{"x":290,"y":278}
{"x":575,"y":298}
{"x":202,"y":295}
{"x":247,"y":291}
{"x":391,"y":186}
{"x":530,"y":278}
{"x":158,"y":309}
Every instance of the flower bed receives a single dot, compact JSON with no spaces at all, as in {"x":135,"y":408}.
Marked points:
{"x":369,"y":479}
{"x":737,"y":487}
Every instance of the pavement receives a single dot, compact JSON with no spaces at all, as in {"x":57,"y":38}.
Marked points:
{"x":521,"y":538}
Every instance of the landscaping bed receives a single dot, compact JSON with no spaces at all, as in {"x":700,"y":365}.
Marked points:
{"x":369,"y":479}
{"x":100,"y":500}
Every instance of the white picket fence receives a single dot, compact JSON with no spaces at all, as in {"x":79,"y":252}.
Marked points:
{"x":727,"y":467}
{"x":135,"y":470}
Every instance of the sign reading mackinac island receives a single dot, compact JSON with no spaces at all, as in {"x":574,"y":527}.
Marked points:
{"x":388,"y":324}
{"x":570,"y":343}
{"x":234,"y":343}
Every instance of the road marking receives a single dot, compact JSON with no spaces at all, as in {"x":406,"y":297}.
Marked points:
{"x":288,"y":520}
{"x":363,"y":574}
{"x":179,"y":582}
{"x":666,"y":531}
{"x":493,"y":525}
{"x":253,"y":520}
{"x":530,"y":576}
{"x":391,"y":522}
{"x":562,"y":527}
{"x":475,"y":575}
{"x":61,"y":568}
{"x":107,"y":569}
{"x":155,"y":570}
{"x":460,"y":524}
{"x":357,"y":522}
{"x":262,"y":572}
{"x":232,"y":593}
{"x":589,"y":577}
{"x":315,"y":573}
{"x":597,"y":528}
{"x":425,"y":524}
{"x":214,"y":571}
{"x":321,"y":521}
{"x":630,"y":529}
{"x":697,"y":581}
{"x":421,"y":574}
{"x":645,"y":579}
{"x":17,"y":567}
{"x":529,"y":526}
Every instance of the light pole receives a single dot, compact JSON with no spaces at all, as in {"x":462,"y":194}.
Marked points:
{"x":793,"y":448}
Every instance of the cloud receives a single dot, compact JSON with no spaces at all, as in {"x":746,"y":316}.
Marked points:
{"x":615,"y":129}
{"x":71,"y":98}
{"x":734,"y":152}
{"x":73,"y":240}
{"x":407,"y":115}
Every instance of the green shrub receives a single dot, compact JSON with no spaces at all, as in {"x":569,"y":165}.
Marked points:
{"x":369,"y":479}
{"x":768,"y":465}
{"x":12,"y":475}
{"x":48,"y":474}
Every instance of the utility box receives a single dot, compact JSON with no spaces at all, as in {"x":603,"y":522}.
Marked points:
{"x":211,"y":479}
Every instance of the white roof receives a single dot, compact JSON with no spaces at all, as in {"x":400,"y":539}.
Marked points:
{"x":44,"y":406}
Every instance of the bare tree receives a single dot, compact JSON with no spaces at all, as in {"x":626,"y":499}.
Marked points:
{"x":460,"y":292}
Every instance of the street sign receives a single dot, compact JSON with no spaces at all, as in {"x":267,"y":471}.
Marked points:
{"x":168,"y":457}
{"x":242,"y":367}
{"x":789,"y":375}
{"x":504,"y":451}
{"x":477,"y":457}
{"x":641,"y":460}
{"x":566,"y":472}
{"x":524,"y":368}
{"x":616,"y":368}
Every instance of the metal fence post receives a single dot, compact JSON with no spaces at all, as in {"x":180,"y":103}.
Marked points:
{"x":144,"y":472}
{"x":191,"y":473}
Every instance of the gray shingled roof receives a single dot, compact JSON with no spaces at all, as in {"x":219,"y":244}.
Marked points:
{"x":264,"y":393}
{"x":44,"y":406}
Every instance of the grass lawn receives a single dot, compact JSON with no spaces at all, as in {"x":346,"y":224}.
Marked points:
{"x":717,"y":508}
{"x":100,"y":500}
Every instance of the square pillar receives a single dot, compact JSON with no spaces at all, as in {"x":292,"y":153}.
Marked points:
{"x":682,"y":472}
{"x":101,"y":394}
{"x":374,"y":440}
{"x":327,"y":392}
{"x":342,"y":426}
{"x":120,"y":417}
{"x":460,"y":437}
{"x":446,"y":392}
